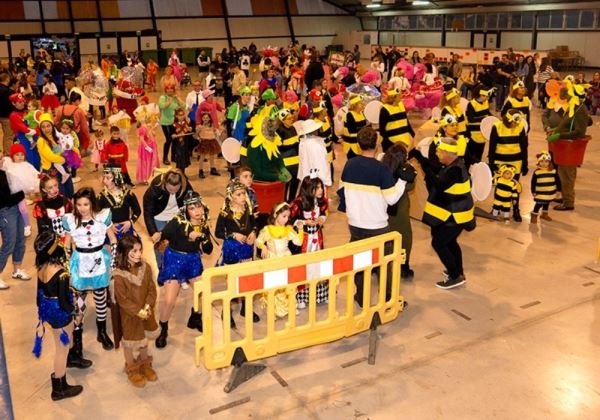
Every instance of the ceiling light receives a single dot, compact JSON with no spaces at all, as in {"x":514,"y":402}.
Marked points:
{"x":373,"y":5}
{"x":421,"y":3}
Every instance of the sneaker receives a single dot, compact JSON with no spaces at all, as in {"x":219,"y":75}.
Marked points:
{"x":3,"y":285}
{"x":448,"y":283}
{"x":27,"y":231}
{"x":21,"y":275}
{"x":76,"y":179}
{"x":301,"y":305}
{"x":185,"y":285}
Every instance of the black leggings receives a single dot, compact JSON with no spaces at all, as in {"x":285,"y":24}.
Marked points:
{"x":444,"y":240}
{"x":167,"y":131}
{"x":542,"y":206}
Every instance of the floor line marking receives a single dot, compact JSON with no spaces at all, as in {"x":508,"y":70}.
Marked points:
{"x":530,"y":304}
{"x":277,"y":376}
{"x":589,"y":283}
{"x":353,"y":362}
{"x":591,"y":269}
{"x":460,"y":314}
{"x":228,"y":406}
{"x":516,"y":240}
{"x":433,"y":335}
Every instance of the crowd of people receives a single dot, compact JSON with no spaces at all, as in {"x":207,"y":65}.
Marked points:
{"x":285,"y":124}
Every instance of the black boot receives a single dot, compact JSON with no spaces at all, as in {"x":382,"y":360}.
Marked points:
{"x":161,"y":340}
{"x":406,"y":272}
{"x":61,"y":389}
{"x":195,"y":321}
{"x":102,"y":337}
{"x":516,"y":213}
{"x":255,"y":317}
{"x":75,"y":357}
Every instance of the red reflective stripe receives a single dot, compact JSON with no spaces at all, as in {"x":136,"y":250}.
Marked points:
{"x":296,"y":274}
{"x":251,"y":282}
{"x":341,"y":265}
{"x":375,"y":258}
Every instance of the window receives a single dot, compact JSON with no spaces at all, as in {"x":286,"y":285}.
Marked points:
{"x":503,"y":20}
{"x":544,"y":20}
{"x":516,"y":21}
{"x":587,"y":19}
{"x":427,"y":22}
{"x":413,"y":21}
{"x":492,"y":21}
{"x":474,"y":21}
{"x":527,"y":20}
{"x":453,"y":21}
{"x":556,"y":19}
{"x":572,"y":19}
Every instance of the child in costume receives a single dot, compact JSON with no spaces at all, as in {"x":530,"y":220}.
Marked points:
{"x":310,"y":208}
{"x":151,"y":72}
{"x":325,"y":132}
{"x":188,"y":236}
{"x":182,"y":140}
{"x":508,"y":146}
{"x":477,"y":110}
{"x":116,"y":151}
{"x":236,"y":225}
{"x":519,"y":101}
{"x":209,"y":145}
{"x":24,"y":133}
{"x":394,"y":126}
{"x":86,"y":230}
{"x":50,"y":209}
{"x":21,"y":176}
{"x":147,"y":150}
{"x":122,"y":120}
{"x":450,"y":104}
{"x":354,"y":120}
{"x":120,"y":200}
{"x":273,"y":241}
{"x":245,"y":177}
{"x":506,"y":191}
{"x":69,"y":143}
{"x":50,"y":94}
{"x":544,"y":185}
{"x":135,"y":294}
{"x":55,"y":309}
{"x":97,"y":148}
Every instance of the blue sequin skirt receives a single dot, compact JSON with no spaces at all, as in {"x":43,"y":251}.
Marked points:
{"x":180,"y":266}
{"x":49,"y":311}
{"x":234,"y":252}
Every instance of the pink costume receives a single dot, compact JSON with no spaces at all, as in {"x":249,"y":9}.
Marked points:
{"x":210,"y":106}
{"x":147,"y":155}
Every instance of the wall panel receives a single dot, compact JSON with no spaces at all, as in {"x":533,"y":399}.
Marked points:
{"x":517,"y":40}
{"x":149,"y":43}
{"x":191,"y":28}
{"x":21,"y":28}
{"x":60,"y":27}
{"x":216,"y":45}
{"x":317,"y":25}
{"x":18,"y":45}
{"x":317,"y":7}
{"x":108,"y":45}
{"x":320,"y":42}
{"x":88,"y":46}
{"x":458,"y":39}
{"x":126,"y":25}
{"x":576,"y":41}
{"x":87,"y":26}
{"x":275,"y":26}
{"x":3,"y":50}
{"x":85,"y":9}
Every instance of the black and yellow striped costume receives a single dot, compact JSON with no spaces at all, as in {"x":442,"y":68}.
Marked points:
{"x":459,"y":114}
{"x":544,"y":185}
{"x":475,"y":113}
{"x":506,"y":192}
{"x":353,"y":122}
{"x":520,"y":105}
{"x":508,"y":146}
{"x":394,"y":126}
{"x":326,"y":132}
{"x":290,"y":143}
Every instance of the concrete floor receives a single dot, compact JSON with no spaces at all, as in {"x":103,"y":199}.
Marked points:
{"x":520,"y":340}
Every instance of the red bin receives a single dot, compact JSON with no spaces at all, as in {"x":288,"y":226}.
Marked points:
{"x":569,"y":152}
{"x":268,"y":194}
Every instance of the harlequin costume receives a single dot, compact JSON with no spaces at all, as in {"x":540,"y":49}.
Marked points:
{"x":475,"y":113}
{"x":544,"y":185}
{"x":49,"y":214}
{"x":394,"y":126}
{"x":353,"y":122}
{"x":312,"y":241}
{"x":506,"y":191}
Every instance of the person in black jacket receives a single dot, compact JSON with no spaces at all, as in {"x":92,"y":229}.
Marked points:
{"x":314,"y":71}
{"x":11,"y":229}
{"x":162,"y":201}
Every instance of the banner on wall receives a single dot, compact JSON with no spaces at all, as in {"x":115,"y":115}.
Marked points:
{"x":467,"y":55}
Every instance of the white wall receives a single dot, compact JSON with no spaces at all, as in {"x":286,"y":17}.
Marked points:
{"x":108,"y":45}
{"x":315,"y":25}
{"x":258,"y":26}
{"x":3,"y":50}
{"x":129,"y":43}
{"x":216,"y":45}
{"x":458,"y":39}
{"x":191,"y":28}
{"x":149,"y":43}
{"x":516,"y":40}
{"x":587,"y":43}
{"x":350,"y":39}
{"x":418,"y":39}
{"x":88,"y":46}
{"x":17,"y":45}
{"x":320,"y":42}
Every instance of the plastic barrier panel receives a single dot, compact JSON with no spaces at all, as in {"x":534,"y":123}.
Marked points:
{"x":378,"y":258}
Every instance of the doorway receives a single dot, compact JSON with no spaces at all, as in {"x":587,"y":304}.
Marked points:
{"x":486,"y":40}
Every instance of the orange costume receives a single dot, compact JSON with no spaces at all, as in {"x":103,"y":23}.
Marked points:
{"x":151,"y":72}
